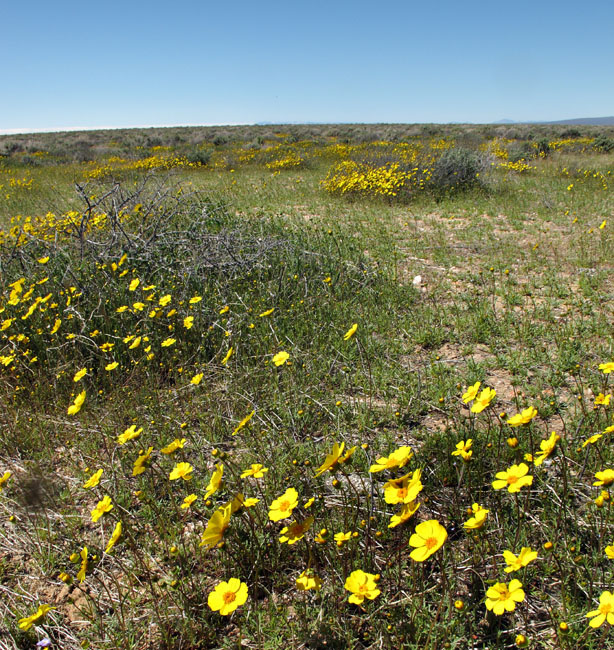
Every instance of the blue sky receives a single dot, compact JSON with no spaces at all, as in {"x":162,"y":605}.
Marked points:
{"x":116,"y":64}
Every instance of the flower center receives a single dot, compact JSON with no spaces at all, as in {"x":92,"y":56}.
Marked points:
{"x":229,"y":597}
{"x":606,"y":609}
{"x":511,"y":479}
{"x":402,"y":492}
{"x":363,"y":589}
{"x":284,"y":505}
{"x":430,"y":542}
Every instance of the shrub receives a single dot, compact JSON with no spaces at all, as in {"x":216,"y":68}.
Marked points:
{"x":602,"y":143}
{"x":457,"y":169}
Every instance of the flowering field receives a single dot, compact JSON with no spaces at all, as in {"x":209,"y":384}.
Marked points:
{"x":300,"y":390}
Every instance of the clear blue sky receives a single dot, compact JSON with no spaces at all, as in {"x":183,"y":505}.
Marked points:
{"x":115,"y":64}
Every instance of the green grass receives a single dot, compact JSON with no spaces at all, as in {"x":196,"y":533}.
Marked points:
{"x":514,"y":293}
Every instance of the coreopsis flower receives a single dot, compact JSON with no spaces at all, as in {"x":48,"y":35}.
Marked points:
{"x":168,"y":342}
{"x":592,"y":440}
{"x":606,"y":368}
{"x":514,"y":478}
{"x":227,"y":596}
{"x":282,"y":507}
{"x":135,"y":344}
{"x":216,"y":526}
{"x":195,"y":300}
{"x":134,"y":284}
{"x":471,"y":392}
{"x":117,"y":531}
{"x":83,"y":569}
{"x":111,"y":366}
{"x":140,"y":464}
{"x":404,"y":489}
{"x":604,"y":612}
{"x":502,"y":598}
{"x":348,"y":335}
{"x":178,"y":443}
{"x":129,"y":434}
{"x":93,"y":480}
{"x":523,"y":418}
{"x":164,"y":300}
{"x":181,"y":470}
{"x":603,"y":400}
{"x":478,"y":519}
{"x":515,"y":563}
{"x":224,"y":361}
{"x":407,"y":510}
{"x":606,"y":477}
{"x":215,"y":481}
{"x":463,"y":449}
{"x":268,"y":312}
{"x":341,"y":538}
{"x":188,"y":321}
{"x":188,"y":501}
{"x":4,"y":478}
{"x":362,"y":585}
{"x":483,"y":400}
{"x":546,"y":448}
{"x":79,"y":375}
{"x":104,"y":505}
{"x":308,"y":580}
{"x":335,"y":457}
{"x":398,"y":458}
{"x":609,"y":551}
{"x":26,"y":623}
{"x":255,"y":471}
{"x":243,"y":423}
{"x":280,"y":358}
{"x":428,"y":538}
{"x":295,"y":531}
{"x":75,"y":407}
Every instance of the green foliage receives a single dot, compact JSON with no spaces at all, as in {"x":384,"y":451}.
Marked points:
{"x":457,"y":169}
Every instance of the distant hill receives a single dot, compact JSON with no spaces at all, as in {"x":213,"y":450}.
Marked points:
{"x":595,"y":121}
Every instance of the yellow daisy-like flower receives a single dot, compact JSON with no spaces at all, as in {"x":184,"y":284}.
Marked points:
{"x":181,"y":470}
{"x":177,"y":443}
{"x":165,"y":300}
{"x":215,"y":481}
{"x":188,"y":501}
{"x":117,"y":531}
{"x":224,"y":361}
{"x":603,"y":400}
{"x":592,"y":440}
{"x":282,"y":507}
{"x":606,"y":477}
{"x":604,"y":612}
{"x":227,"y":596}
{"x":295,"y":531}
{"x":134,"y":284}
{"x":129,"y":434}
{"x":195,"y":300}
{"x":427,"y":539}
{"x":104,"y":505}
{"x":362,"y":585}
{"x":197,"y":379}
{"x":83,"y":569}
{"x":5,"y":477}
{"x":140,"y":464}
{"x":216,"y":526}
{"x":111,"y":366}
{"x":607,"y":368}
{"x":501,"y":598}
{"x":471,"y":392}
{"x":335,"y":458}
{"x":243,"y":423}
{"x":43,"y":260}
{"x":26,"y":623}
{"x":75,"y":407}
{"x":341,"y":538}
{"x":515,"y":563}
{"x":398,"y":458}
{"x":407,"y":511}
{"x":609,"y":551}
{"x":463,"y":449}
{"x":255,"y":471}
{"x":93,"y":480}
{"x":514,"y":478}
{"x":268,"y":312}
{"x":404,"y":489}
{"x":79,"y":375}
{"x":478,"y":519}
{"x":546,"y":448}
{"x":224,"y":309}
{"x":523,"y":418}
{"x":483,"y":400}
{"x":308,"y":580}
{"x":168,"y":342}
{"x":280,"y":358}
{"x":188,"y":321}
{"x":348,"y":335}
